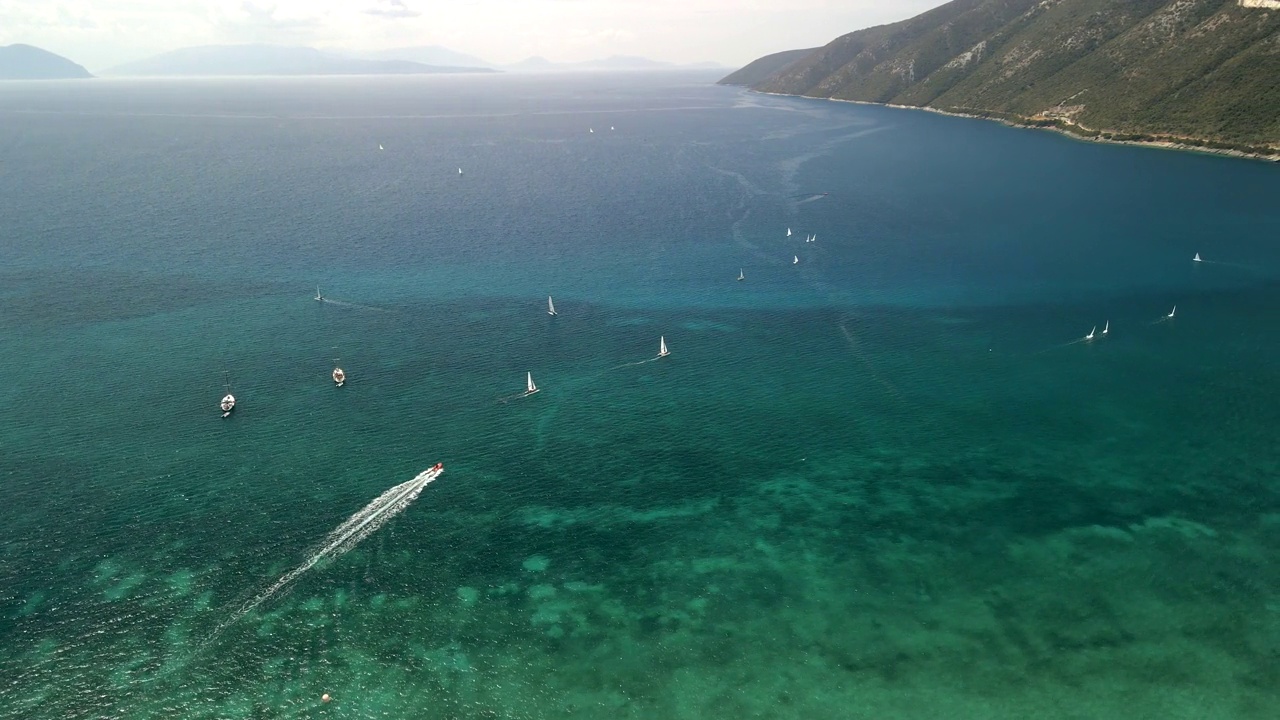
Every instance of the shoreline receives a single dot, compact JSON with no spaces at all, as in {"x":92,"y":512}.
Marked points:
{"x":1062,"y":129}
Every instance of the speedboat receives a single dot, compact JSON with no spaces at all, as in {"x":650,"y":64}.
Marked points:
{"x":438,"y":466}
{"x":339,"y":376}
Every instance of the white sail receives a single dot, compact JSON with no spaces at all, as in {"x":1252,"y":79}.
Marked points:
{"x":379,"y":146}
{"x":319,"y":297}
{"x":1174,"y":310}
{"x":1106,"y":328}
{"x":551,"y":307}
{"x":788,"y":232}
{"x":530,"y":388}
{"x":795,"y":259}
{"x":741,"y":275}
{"x":662,"y":347}
{"x":459,"y":171}
{"x":1196,"y":258}
{"x":1091,"y":332}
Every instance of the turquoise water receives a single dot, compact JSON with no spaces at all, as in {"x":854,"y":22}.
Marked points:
{"x":883,"y":482}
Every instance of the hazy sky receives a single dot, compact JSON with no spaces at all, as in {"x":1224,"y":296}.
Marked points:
{"x":101,"y":33}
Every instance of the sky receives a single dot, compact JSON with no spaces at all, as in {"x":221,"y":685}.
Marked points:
{"x":101,"y":33}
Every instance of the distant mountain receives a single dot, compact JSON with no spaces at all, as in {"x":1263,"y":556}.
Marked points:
{"x":428,"y":55}
{"x":614,"y":62}
{"x":26,"y":62}
{"x":270,"y":60}
{"x":1200,"y":72}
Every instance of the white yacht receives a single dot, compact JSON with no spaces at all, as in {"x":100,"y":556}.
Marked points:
{"x":228,"y":401}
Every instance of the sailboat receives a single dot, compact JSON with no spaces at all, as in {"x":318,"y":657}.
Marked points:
{"x":813,"y":239}
{"x":1171,"y":312}
{"x":459,"y":171}
{"x":795,"y":259}
{"x":339,"y":376}
{"x":229,"y":401}
{"x":662,"y":347}
{"x":1106,"y":328}
{"x":610,"y":127}
{"x":1091,"y":332}
{"x":741,"y":275}
{"x":379,"y":146}
{"x":319,"y":297}
{"x":590,"y":130}
{"x":551,"y":308}
{"x":788,"y":232}
{"x":1196,"y":258}
{"x":530,"y":388}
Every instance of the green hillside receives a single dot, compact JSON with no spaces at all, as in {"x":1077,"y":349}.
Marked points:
{"x":762,"y":68}
{"x":1204,"y":71}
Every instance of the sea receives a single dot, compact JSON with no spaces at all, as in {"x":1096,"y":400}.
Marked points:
{"x":883,"y":475}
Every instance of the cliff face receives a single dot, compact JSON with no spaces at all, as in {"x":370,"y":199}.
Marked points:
{"x":1205,"y":69}
{"x":25,"y":62}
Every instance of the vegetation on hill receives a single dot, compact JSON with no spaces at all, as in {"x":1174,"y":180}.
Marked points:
{"x":760,"y":69}
{"x":1201,"y":72}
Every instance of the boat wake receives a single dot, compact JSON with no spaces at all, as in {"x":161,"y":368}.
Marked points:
{"x":633,"y":364}
{"x":802,"y":199}
{"x":1237,"y":266}
{"x":355,"y":306}
{"x":349,"y":534}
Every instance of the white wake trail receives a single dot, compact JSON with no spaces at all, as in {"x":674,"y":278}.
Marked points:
{"x":349,"y":534}
{"x":356,"y":306}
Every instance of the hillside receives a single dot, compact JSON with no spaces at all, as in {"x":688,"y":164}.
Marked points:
{"x":1203,"y":71}
{"x":762,"y":68}
{"x":231,"y":60}
{"x":26,"y":62}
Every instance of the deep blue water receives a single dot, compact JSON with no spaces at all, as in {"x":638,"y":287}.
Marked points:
{"x":883,"y":481}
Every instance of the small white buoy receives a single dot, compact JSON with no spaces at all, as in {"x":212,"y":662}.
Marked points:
{"x":325,"y":698}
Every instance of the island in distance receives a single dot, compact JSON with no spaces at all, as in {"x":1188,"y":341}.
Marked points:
{"x":26,"y":62}
{"x":240,"y":60}
{"x":612,"y":63}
